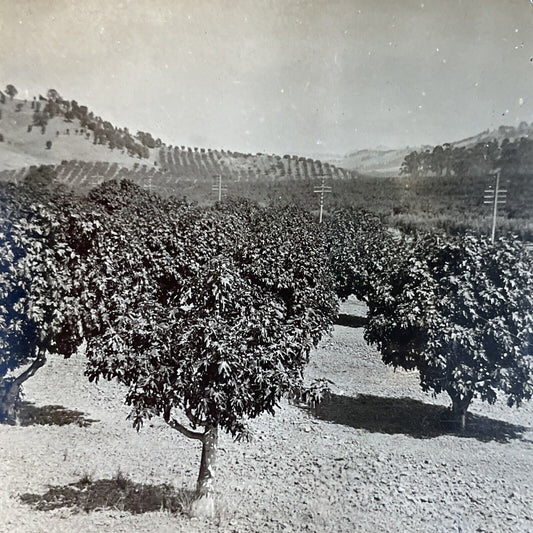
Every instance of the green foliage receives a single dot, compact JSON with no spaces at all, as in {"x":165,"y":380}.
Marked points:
{"x":459,"y":310}
{"x":211,"y":311}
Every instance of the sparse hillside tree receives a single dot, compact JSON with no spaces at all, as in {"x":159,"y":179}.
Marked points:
{"x":53,"y":95}
{"x":40,"y":119}
{"x":11,"y":91}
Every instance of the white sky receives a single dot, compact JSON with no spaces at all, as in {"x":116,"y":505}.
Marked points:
{"x":281,"y":76}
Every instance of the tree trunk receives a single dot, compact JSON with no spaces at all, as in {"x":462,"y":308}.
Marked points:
{"x":204,"y":505}
{"x":460,"y":405}
{"x":10,"y":390}
{"x":9,"y":395}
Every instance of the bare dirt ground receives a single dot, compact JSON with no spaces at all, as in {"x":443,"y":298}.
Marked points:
{"x":373,"y":458}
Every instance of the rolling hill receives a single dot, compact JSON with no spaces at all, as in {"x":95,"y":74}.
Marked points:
{"x":375,"y":162}
{"x":86,"y":150}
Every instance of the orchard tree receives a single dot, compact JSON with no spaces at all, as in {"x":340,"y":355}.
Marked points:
{"x":359,"y":247}
{"x":36,"y":312}
{"x":460,"y":311}
{"x":208,"y":316}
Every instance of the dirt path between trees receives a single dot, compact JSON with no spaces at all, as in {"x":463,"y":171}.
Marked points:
{"x":371,"y":459}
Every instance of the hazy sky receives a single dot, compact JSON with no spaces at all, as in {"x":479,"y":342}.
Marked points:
{"x":282,"y":76}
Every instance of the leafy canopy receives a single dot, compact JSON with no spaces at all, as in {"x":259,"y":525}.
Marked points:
{"x":460,"y":310}
{"x":212,"y":311}
{"x":359,"y":248}
{"x":37,"y":314}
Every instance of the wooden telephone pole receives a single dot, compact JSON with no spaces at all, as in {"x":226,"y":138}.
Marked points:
{"x":323,"y":189}
{"x":218,"y":187}
{"x":495,"y":196}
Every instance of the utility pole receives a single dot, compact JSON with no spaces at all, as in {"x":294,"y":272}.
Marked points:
{"x":218,"y":187}
{"x":495,"y":197}
{"x":323,"y":189}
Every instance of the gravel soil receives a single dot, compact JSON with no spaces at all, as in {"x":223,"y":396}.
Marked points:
{"x":375,"y":457}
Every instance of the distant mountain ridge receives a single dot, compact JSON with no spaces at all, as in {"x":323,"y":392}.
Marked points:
{"x":387,"y":162}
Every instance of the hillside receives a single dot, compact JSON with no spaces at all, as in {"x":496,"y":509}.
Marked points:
{"x":23,"y":148}
{"x":86,"y":149}
{"x":374,"y":162}
{"x":388,"y":162}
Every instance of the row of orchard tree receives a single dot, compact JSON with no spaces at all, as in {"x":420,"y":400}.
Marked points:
{"x":512,"y":157}
{"x":187,"y":161}
{"x":208,"y":314}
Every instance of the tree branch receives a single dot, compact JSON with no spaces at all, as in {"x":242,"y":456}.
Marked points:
{"x":185,"y":431}
{"x":32,"y":369}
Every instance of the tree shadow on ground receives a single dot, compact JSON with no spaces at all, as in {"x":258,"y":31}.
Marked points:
{"x":118,"y":493}
{"x":411,"y":417}
{"x":351,"y":321}
{"x":50,"y":415}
